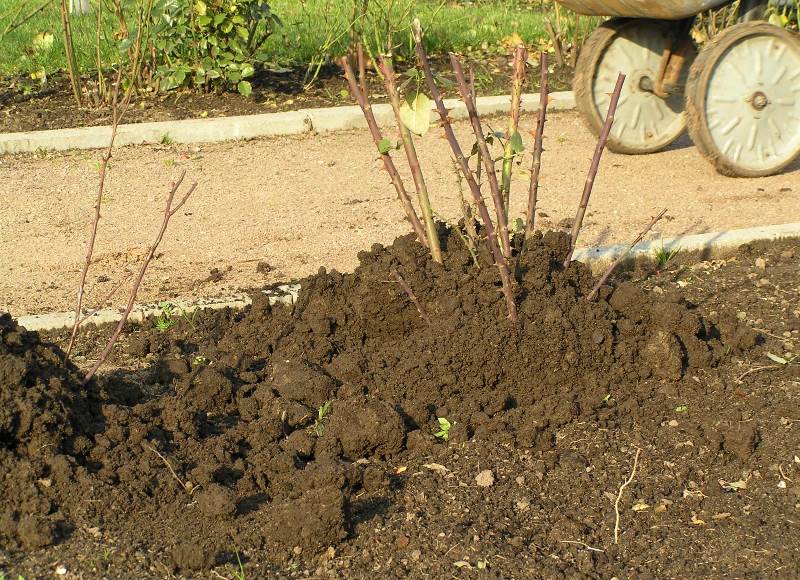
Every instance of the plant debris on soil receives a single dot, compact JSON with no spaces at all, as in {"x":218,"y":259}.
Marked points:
{"x":306,"y":439}
{"x":25,"y":108}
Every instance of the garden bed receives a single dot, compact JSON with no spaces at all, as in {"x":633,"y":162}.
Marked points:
{"x":302,"y":440}
{"x":273,"y":91}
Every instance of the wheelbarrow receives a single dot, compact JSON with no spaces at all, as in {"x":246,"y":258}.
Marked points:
{"x":739,"y":97}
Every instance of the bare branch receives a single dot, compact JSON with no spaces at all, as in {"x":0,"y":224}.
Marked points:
{"x":388,"y":164}
{"x":488,"y":162}
{"x":115,"y":117}
{"x":362,"y":69}
{"x":621,"y":257}
{"x":169,"y":211}
{"x":598,"y":152}
{"x":491,"y":239}
{"x":536,"y":166}
{"x":517,"y":81}
{"x":413,"y":161}
{"x":108,"y":297}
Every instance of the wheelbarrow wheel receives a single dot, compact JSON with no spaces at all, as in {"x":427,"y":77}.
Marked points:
{"x":644,"y":122}
{"x":743,"y":100}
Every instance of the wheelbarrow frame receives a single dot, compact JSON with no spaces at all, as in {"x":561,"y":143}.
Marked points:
{"x":660,"y":9}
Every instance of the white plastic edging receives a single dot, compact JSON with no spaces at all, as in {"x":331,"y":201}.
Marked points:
{"x":285,"y":294}
{"x":714,"y":243}
{"x":323,"y":120}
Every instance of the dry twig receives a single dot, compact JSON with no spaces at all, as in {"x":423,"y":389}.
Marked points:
{"x":598,"y":152}
{"x":619,"y":495}
{"x":622,"y":256}
{"x":185,"y":486}
{"x":584,"y":544}
{"x":410,"y":293}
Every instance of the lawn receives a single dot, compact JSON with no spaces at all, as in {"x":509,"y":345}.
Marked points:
{"x":311,"y":28}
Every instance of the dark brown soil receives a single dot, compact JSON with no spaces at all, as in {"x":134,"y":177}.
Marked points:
{"x":206,"y":442}
{"x":25,"y":109}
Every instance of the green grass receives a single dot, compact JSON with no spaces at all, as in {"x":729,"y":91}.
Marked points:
{"x":310,"y":28}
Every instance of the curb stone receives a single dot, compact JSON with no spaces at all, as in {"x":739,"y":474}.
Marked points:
{"x":322,"y":120}
{"x":711,"y":244}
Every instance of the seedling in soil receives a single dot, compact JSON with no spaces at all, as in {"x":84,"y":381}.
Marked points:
{"x":322,"y":417}
{"x":165,"y":319}
{"x":444,"y":429}
{"x":663,"y":256}
{"x":240,"y":573}
{"x":202,"y":360}
{"x":166,"y":139}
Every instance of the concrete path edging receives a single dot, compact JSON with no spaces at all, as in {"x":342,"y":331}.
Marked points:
{"x":322,"y":120}
{"x":712,"y":245}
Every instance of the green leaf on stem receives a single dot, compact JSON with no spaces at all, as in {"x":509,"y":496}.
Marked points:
{"x":384,"y":146}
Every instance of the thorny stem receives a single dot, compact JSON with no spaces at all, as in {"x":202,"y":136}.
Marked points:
{"x":413,"y":161}
{"x":471,"y":239}
{"x":388,"y":164}
{"x":598,"y":152}
{"x":533,"y":192}
{"x":488,"y":162}
{"x":473,"y":92}
{"x":169,"y":211}
{"x":115,"y":116}
{"x":475,"y":189}
{"x":621,"y":257}
{"x":517,"y":80}
{"x":410,"y":293}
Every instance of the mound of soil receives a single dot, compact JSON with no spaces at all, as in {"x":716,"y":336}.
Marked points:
{"x":272,"y":430}
{"x":44,"y":419}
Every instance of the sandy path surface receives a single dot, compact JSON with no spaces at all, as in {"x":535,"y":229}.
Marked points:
{"x":304,"y":202}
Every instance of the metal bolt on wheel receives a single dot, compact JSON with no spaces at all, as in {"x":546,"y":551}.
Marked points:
{"x":743,"y":100}
{"x":644,"y":122}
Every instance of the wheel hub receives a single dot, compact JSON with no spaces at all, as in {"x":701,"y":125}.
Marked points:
{"x":645,"y":83}
{"x":759,"y":101}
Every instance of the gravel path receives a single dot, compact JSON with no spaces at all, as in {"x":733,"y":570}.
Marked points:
{"x":303,"y":202}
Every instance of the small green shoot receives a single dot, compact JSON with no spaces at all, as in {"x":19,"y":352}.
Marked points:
{"x":166,"y":139}
{"x":663,"y":255}
{"x":681,"y":408}
{"x":240,"y":573}
{"x":606,"y":399}
{"x":201,"y":360}
{"x":165,"y":319}
{"x":444,"y":429}
{"x":322,"y":417}
{"x":385,"y":145}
